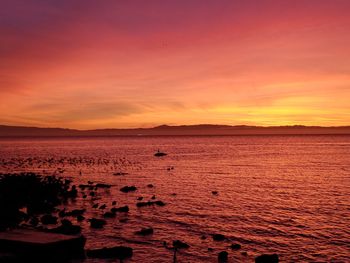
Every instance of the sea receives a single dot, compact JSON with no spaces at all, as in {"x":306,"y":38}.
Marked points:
{"x":288,"y":195}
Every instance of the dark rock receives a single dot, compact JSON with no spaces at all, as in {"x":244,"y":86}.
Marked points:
{"x":41,"y":246}
{"x":102,"y":207}
{"x":244,"y":253}
{"x":180,"y":244}
{"x":218,"y":237}
{"x":210,"y":249}
{"x":127,"y":189}
{"x":235,"y":246}
{"x":159,"y":154}
{"x":48,"y":219}
{"x":109,"y":215}
{"x":80,"y":218}
{"x":92,"y":193}
{"x":66,"y":222}
{"x":75,"y":212}
{"x":62,"y":213}
{"x":94,"y":205}
{"x":97,"y":223}
{"x":114,"y":202}
{"x":120,"y":173}
{"x":267,"y":258}
{"x":73,"y":192}
{"x":24,"y":216}
{"x":34,"y":221}
{"x":83,"y":186}
{"x":149,"y":203}
{"x":119,"y":252}
{"x":142,"y":204}
{"x":139,"y":198}
{"x":121,"y":209}
{"x":203,"y":237}
{"x":215,"y":192}
{"x":67,"y":181}
{"x":159,"y":203}
{"x":150,"y":186}
{"x":223,"y":256}
{"x":67,"y":228}
{"x":145,"y":231}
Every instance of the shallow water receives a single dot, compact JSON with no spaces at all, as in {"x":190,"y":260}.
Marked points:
{"x":276,"y":194}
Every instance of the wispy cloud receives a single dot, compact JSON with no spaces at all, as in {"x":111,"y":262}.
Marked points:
{"x":120,"y":63}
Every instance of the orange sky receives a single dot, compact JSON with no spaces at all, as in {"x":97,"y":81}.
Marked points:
{"x":97,"y":64}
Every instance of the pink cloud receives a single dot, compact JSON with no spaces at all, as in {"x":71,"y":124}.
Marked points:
{"x":189,"y":53}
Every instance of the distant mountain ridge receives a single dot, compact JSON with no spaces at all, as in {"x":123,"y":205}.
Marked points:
{"x":200,"y":129}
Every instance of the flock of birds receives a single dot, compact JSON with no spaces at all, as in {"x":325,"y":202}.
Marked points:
{"x":54,"y":165}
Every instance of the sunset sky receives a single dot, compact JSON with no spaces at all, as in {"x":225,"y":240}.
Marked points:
{"x":101,"y":64}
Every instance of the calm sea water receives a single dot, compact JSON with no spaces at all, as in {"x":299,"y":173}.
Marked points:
{"x":276,"y":194}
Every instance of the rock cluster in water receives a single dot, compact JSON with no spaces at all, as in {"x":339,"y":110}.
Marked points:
{"x":49,"y":192}
{"x":127,"y":189}
{"x":119,"y":252}
{"x":267,"y":258}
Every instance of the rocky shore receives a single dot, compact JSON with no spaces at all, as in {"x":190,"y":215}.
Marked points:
{"x":37,"y":222}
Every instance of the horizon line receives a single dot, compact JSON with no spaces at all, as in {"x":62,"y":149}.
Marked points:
{"x":181,"y":125}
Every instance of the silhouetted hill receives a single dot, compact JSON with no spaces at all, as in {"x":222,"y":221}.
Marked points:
{"x":202,"y":129}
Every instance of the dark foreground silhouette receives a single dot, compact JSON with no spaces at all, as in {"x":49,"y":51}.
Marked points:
{"x":34,"y":229}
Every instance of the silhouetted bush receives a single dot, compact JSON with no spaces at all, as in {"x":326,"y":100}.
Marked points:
{"x":38,"y":194}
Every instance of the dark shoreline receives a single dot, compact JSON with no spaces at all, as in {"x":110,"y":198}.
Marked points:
{"x":167,"y":136}
{"x":164,"y":130}
{"x":47,"y":233}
